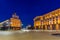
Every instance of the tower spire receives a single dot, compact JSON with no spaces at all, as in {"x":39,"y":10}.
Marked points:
{"x":14,"y":15}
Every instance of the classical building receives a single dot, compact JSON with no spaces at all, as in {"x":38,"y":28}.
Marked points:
{"x":5,"y":25}
{"x":13,"y":23}
{"x":48,"y":21}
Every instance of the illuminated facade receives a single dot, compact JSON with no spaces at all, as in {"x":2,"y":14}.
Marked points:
{"x":49,"y":21}
{"x":15,"y":22}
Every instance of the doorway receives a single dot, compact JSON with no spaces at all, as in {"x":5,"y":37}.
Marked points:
{"x":43,"y":27}
{"x":48,"y":27}
{"x":37,"y":27}
{"x":53,"y":27}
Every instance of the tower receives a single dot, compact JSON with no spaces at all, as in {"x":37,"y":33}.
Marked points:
{"x":15,"y":22}
{"x":15,"y":16}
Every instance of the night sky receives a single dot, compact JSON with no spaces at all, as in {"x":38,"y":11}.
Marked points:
{"x":26,"y":9}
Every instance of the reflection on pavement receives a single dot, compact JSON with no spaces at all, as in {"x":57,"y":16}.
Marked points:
{"x":31,"y":35}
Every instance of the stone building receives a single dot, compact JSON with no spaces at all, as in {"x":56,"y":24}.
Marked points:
{"x":14,"y":23}
{"x":48,"y":21}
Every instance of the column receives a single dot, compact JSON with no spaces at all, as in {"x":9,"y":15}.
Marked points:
{"x":45,"y":27}
{"x":50,"y":26}
{"x":57,"y":27}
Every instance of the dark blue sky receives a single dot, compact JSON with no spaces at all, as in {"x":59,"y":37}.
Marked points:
{"x":26,"y":9}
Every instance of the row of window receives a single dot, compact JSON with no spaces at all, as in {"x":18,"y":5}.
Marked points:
{"x":48,"y":18}
{"x":53,"y":19}
{"x":48,"y":27}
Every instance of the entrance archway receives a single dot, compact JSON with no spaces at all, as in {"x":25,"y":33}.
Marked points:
{"x":37,"y":27}
{"x":43,"y":27}
{"x":53,"y":27}
{"x":48,"y":27}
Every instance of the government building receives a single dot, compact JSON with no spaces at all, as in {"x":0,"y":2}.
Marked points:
{"x":48,"y":21}
{"x":13,"y":23}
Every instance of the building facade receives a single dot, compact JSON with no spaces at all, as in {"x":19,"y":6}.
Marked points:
{"x":5,"y":25}
{"x":48,"y":21}
{"x":14,"y":23}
